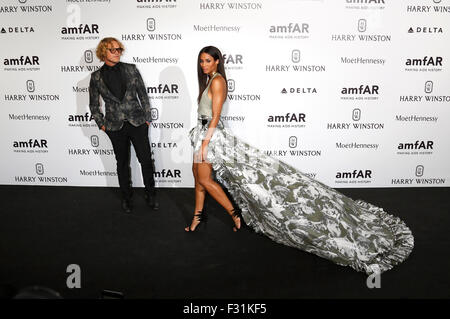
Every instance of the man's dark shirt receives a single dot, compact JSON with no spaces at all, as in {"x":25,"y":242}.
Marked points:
{"x":114,"y":79}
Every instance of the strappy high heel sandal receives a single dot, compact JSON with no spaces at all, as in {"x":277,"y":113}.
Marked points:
{"x":201,"y":217}
{"x":236,"y":213}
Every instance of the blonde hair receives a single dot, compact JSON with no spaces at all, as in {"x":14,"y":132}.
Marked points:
{"x":103,"y":46}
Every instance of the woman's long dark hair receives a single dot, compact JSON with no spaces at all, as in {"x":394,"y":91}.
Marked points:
{"x":202,"y":77}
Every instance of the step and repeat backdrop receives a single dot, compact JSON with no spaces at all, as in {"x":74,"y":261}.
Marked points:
{"x":352,"y":93}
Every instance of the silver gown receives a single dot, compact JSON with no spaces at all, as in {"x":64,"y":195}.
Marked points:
{"x":290,"y":208}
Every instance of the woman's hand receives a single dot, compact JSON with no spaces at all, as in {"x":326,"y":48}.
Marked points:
{"x":103,"y":128}
{"x":204,"y":150}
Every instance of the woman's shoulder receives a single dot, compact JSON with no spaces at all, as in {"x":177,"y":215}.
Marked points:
{"x":218,"y":81}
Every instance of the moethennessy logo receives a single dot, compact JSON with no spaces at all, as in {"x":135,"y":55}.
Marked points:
{"x":31,"y":88}
{"x":157,"y":4}
{"x":152,"y":27}
{"x":425,"y":64}
{"x":415,"y":148}
{"x":40,"y":177}
{"x":235,"y":94}
{"x":296,"y":57}
{"x":427,"y":97}
{"x":419,"y":172}
{"x":291,"y":30}
{"x":356,"y":176}
{"x":435,"y":7}
{"x":362,"y":60}
{"x":361,"y":92}
{"x":347,"y":146}
{"x":364,"y":4}
{"x":22,"y":63}
{"x":157,"y":124}
{"x":355,"y":125}
{"x":32,"y":145}
{"x":155,"y":60}
{"x":97,"y":173}
{"x":361,"y":36}
{"x":288,"y":120}
{"x":29,"y":117}
{"x":23,"y":8}
{"x":293,"y":149}
{"x":80,"y":32}
{"x":230,"y":5}
{"x":16,"y":30}
{"x":217,"y":28}
{"x":416,"y":118}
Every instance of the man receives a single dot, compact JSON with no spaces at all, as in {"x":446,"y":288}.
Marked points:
{"x":126,"y":118}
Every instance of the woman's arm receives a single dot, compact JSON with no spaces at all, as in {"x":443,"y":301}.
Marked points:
{"x":218,"y":90}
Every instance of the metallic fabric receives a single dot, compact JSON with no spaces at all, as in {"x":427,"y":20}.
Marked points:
{"x":282,"y":203}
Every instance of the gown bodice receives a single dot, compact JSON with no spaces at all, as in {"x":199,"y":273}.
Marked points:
{"x":205,"y":104}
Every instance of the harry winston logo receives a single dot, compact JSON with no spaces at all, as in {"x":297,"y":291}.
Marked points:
{"x":154,"y":114}
{"x":356,"y":115}
{"x":295,"y":56}
{"x":151,"y":24}
{"x":22,"y":1}
{"x":419,"y":170}
{"x":428,"y":86}
{"x":362,"y":25}
{"x":88,"y":56}
{"x":39,"y":168}
{"x":231,"y":85}
{"x":293,"y":141}
{"x":94,"y":141}
{"x":30,"y":86}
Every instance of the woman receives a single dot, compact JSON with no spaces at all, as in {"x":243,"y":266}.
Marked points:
{"x":280,"y":201}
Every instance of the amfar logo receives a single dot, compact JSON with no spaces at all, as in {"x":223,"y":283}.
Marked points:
{"x":30,"y":86}
{"x":88,"y":56}
{"x":289,"y":31}
{"x":417,"y":145}
{"x":364,"y":4}
{"x":425,"y":61}
{"x":290,"y":28}
{"x":95,"y":141}
{"x":156,"y":4}
{"x":23,"y":60}
{"x":81,"y":29}
{"x":361,"y":90}
{"x":86,"y":117}
{"x":233,"y":61}
{"x":31,"y":143}
{"x":425,"y":30}
{"x":168,"y":173}
{"x":4,"y":30}
{"x":163,"y":88}
{"x":355,"y":174}
{"x":299,"y":117}
{"x":39,"y":168}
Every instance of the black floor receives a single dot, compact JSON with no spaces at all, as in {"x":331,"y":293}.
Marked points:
{"x":148,"y":254}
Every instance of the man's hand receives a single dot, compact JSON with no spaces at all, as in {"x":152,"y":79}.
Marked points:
{"x":148,"y":123}
{"x":103,"y":128}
